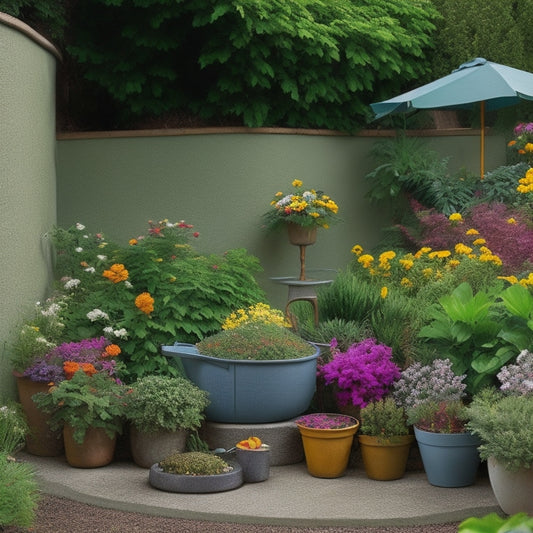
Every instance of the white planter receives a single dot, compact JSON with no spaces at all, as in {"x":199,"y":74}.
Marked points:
{"x":513,"y":490}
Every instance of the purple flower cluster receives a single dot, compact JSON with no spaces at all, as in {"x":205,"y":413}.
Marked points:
{"x":421,"y":383}
{"x":364,"y":373}
{"x":517,"y":379}
{"x":522,"y":128}
{"x":49,"y":367}
{"x":325,"y":421}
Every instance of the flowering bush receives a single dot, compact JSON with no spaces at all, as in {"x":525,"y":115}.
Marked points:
{"x":522,"y":144}
{"x":153,"y":291}
{"x":90,"y":355}
{"x":435,"y":382}
{"x":325,"y":421}
{"x":85,"y":401}
{"x":517,"y":379}
{"x":260,"y":312}
{"x":364,"y":373}
{"x":305,"y":207}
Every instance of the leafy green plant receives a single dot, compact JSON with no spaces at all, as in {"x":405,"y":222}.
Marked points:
{"x":383,"y":418}
{"x":154,"y":290}
{"x":257,"y":341}
{"x":13,"y":427}
{"x":518,"y":328}
{"x":465,"y":332}
{"x":194,"y":464}
{"x":19,"y":493}
{"x":83,"y":402}
{"x":439,"y":417}
{"x":493,"y":523}
{"x":165,"y":403}
{"x":505,"y":426}
{"x":499,"y":185}
{"x":295,"y":63}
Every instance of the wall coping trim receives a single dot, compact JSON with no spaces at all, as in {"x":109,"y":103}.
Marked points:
{"x":176,"y":132}
{"x":13,"y":22}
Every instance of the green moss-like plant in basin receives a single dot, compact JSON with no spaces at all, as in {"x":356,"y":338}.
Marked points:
{"x":194,"y":464}
{"x":257,"y":341}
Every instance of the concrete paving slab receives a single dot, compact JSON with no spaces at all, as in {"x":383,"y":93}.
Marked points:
{"x":289,"y":497}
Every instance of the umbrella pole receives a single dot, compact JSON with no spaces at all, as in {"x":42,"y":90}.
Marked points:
{"x":482,"y":162}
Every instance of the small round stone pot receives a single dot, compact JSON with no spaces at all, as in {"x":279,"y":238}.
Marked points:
{"x":255,"y":463}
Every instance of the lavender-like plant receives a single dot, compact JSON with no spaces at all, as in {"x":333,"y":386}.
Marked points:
{"x":517,"y":379}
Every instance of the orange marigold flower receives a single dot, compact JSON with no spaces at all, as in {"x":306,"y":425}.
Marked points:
{"x":112,"y":350}
{"x":88,"y":368}
{"x":116,"y":273}
{"x":133,"y":242}
{"x":70,"y":368}
{"x":145,"y":302}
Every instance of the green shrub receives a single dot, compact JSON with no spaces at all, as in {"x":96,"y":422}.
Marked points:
{"x":19,"y":493}
{"x":13,"y":427}
{"x":194,"y":464}
{"x":297,"y":63}
{"x":165,"y":403}
{"x":383,"y":418}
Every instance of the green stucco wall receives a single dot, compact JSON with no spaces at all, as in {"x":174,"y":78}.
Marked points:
{"x":222,"y":183}
{"x":27,"y":177}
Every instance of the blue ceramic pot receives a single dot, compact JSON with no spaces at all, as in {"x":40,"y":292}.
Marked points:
{"x":450,"y":459}
{"x":248,"y":391}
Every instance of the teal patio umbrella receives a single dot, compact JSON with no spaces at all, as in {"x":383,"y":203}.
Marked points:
{"x":479,"y":81}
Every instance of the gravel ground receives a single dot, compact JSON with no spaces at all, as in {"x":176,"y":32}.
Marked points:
{"x":58,"y":515}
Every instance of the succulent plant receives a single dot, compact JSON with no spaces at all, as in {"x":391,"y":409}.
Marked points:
{"x":194,"y":464}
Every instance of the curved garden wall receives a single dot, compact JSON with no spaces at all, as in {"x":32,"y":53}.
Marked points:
{"x":222,"y":180}
{"x":27,"y":174}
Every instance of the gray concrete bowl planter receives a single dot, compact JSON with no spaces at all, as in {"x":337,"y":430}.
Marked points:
{"x":196,"y":484}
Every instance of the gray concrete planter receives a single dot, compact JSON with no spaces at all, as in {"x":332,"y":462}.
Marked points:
{"x":196,"y":484}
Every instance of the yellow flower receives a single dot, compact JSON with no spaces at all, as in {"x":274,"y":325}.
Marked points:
{"x":461,"y":248}
{"x":406,"y":282}
{"x":384,"y":291}
{"x":365,"y":260}
{"x":511,"y":220}
{"x":357,"y":249}
{"x":278,"y":194}
{"x":479,"y":242}
{"x":422,"y":251}
{"x":427,"y":272}
{"x":133,"y":242}
{"x":145,"y":302}
{"x":453,"y":263}
{"x":441,"y":254}
{"x":528,"y":147}
{"x":511,"y":279}
{"x":472,"y":231}
{"x":297,"y":183}
{"x":406,"y":263}
{"x":385,"y":257}
{"x":455,"y":217}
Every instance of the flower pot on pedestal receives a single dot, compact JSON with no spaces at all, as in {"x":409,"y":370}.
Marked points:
{"x":255,"y":463}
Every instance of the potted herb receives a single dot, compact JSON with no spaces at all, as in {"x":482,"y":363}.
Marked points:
{"x":162,"y":410}
{"x":327,"y":440}
{"x":384,"y":439}
{"x":432,"y":396}
{"x":90,"y":408}
{"x":503,"y":420}
{"x":251,"y":358}
{"x":195,"y":472}
{"x":363,"y":373}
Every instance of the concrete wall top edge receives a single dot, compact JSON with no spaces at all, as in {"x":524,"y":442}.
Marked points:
{"x":35,"y":36}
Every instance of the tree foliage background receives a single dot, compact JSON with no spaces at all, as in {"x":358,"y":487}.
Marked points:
{"x":292,"y":63}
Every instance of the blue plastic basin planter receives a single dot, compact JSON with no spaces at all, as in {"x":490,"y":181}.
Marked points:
{"x":450,"y":459}
{"x":249,"y":392}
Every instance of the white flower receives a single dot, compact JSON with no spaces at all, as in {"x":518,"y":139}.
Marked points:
{"x":128,"y":284}
{"x":80,"y":226}
{"x":102,"y":257}
{"x":121,"y":333}
{"x":52,"y":310}
{"x":72,"y":283}
{"x":86,"y":236}
{"x":97,"y":314}
{"x":91,"y":270}
{"x":108,"y":330}
{"x":78,"y":249}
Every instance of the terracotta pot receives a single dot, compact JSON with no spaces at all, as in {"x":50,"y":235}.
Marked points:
{"x":327,"y":451}
{"x":41,"y":440}
{"x":97,"y":449}
{"x":148,"y":449}
{"x":385,"y":459}
{"x":301,"y":235}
